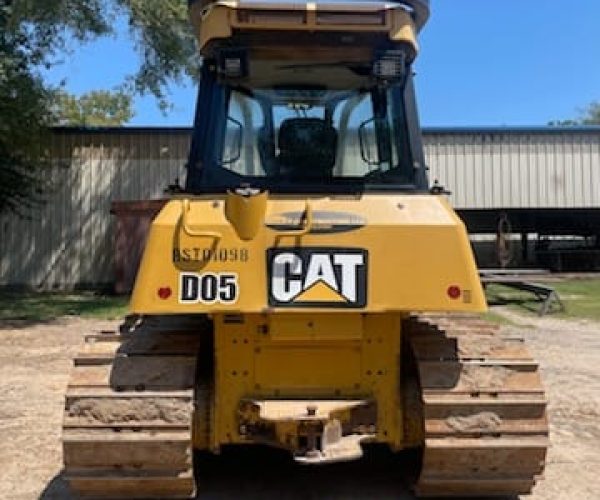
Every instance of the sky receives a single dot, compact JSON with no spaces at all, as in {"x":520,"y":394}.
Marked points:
{"x":482,"y":63}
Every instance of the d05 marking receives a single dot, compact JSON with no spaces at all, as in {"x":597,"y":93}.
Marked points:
{"x":208,"y":288}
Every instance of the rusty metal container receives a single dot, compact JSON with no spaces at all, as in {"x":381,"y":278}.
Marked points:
{"x":133,"y":220}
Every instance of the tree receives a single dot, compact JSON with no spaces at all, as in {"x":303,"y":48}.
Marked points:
{"x":591,"y":115}
{"x":34,"y":33}
{"x":31,"y":33}
{"x":163,"y":35}
{"x":588,"y":116}
{"x":23,"y":120}
{"x":99,"y":108}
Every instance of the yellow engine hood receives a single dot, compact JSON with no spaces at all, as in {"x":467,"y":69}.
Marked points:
{"x":370,"y":253}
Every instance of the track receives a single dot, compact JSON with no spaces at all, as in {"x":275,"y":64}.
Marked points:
{"x":483,"y":409}
{"x":129,"y":412}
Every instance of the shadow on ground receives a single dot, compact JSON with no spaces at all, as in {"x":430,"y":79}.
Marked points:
{"x":57,"y":489}
{"x":258,"y":473}
{"x":527,"y":304}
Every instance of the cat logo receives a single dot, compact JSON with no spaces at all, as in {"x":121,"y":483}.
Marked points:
{"x":317,"y":277}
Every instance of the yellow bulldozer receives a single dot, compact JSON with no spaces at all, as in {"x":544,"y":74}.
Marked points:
{"x":308,"y":289}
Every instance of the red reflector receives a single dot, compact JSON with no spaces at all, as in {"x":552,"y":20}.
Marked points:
{"x":164,"y":293}
{"x":454,"y":292}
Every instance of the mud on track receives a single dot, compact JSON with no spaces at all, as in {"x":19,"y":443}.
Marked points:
{"x":35,"y":362}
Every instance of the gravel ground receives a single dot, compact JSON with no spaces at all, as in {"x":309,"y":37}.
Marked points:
{"x":35,"y":362}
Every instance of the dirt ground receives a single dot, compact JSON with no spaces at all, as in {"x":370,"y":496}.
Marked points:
{"x":35,"y":362}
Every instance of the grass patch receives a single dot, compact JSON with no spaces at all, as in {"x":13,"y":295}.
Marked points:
{"x":48,"y":306}
{"x":580,"y":297}
{"x":498,"y":319}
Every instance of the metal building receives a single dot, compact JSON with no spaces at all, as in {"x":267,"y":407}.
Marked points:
{"x":517,"y":168}
{"x":545,"y":179}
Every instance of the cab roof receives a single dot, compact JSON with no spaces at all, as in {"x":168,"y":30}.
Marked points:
{"x":419,"y":8}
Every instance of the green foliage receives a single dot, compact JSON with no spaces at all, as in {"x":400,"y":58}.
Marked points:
{"x":591,"y":115}
{"x":588,"y":116}
{"x":99,"y":108}
{"x":34,"y":34}
{"x":42,"y":28}
{"x":22,"y":137}
{"x":49,"y":306}
{"x":160,"y":30}
{"x":580,"y":297}
{"x":163,"y":36}
{"x":23,"y":116}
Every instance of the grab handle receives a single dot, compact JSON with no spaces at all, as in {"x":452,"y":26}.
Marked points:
{"x":306,"y":224}
{"x":185,"y":208}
